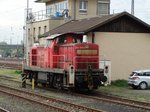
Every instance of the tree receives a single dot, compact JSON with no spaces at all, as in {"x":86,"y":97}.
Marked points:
{"x":3,"y":43}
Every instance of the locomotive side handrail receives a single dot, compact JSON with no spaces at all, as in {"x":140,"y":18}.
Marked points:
{"x":40,"y":60}
{"x":85,"y":57}
{"x":59,"y":63}
{"x":87,"y":62}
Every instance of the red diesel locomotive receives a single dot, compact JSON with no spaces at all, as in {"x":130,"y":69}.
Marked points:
{"x":66,"y":62}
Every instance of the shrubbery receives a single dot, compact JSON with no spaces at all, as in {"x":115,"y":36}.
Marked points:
{"x":120,"y":83}
{"x":18,"y":72}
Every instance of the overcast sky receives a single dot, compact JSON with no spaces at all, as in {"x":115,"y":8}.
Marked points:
{"x":12,"y":15}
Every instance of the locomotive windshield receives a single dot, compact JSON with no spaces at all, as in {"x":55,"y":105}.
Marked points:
{"x":69,"y":39}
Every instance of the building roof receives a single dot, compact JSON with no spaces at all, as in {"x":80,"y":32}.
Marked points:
{"x":89,"y":24}
{"x":42,"y":1}
{"x":38,"y":1}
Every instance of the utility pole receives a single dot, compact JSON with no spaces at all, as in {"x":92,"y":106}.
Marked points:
{"x":26,"y":33}
{"x":27,"y":11}
{"x":11,"y":35}
{"x":132,"y":7}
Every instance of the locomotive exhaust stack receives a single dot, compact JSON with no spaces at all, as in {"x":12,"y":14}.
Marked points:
{"x":85,"y":40}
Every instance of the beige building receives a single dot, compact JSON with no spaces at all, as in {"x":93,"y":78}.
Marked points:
{"x":126,"y":51}
{"x":124,"y":40}
{"x":58,"y":12}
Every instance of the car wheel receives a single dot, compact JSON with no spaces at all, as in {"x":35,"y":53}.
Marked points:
{"x":143,"y":85}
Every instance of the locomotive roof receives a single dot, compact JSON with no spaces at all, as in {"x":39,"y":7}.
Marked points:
{"x":53,"y":36}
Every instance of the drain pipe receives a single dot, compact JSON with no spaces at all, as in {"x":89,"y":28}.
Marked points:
{"x":75,"y":10}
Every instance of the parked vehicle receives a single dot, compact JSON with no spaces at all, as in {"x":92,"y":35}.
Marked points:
{"x":139,"y":79}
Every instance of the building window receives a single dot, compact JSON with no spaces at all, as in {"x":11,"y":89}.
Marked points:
{"x":103,"y":7}
{"x":56,"y":8}
{"x":33,"y":32}
{"x":39,"y":30}
{"x":45,"y":28}
{"x":50,"y":10}
{"x":83,"y":4}
{"x":29,"y":33}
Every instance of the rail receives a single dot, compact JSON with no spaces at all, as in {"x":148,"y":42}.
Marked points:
{"x":117,"y":100}
{"x":11,"y":64}
{"x":106,"y":98}
{"x":3,"y":110}
{"x":62,"y":106}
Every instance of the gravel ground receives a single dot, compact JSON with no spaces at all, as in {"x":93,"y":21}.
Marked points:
{"x":109,"y":107}
{"x":127,"y":92}
{"x":14,"y":104}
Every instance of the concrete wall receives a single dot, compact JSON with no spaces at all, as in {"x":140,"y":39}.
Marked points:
{"x":91,"y":10}
{"x":49,"y":23}
{"x":73,"y":6}
{"x":126,"y":51}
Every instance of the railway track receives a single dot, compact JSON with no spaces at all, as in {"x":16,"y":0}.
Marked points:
{"x":11,"y":64}
{"x":55,"y":104}
{"x":3,"y":110}
{"x":118,"y":100}
{"x":108,"y":98}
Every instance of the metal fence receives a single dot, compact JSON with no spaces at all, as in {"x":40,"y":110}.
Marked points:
{"x":45,"y":14}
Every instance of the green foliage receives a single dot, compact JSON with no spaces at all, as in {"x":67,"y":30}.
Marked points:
{"x":10,"y":72}
{"x":3,"y":43}
{"x":7,"y":52}
{"x":120,"y":83}
{"x":18,"y":72}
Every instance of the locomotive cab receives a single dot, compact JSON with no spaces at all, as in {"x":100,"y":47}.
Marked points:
{"x":66,"y":61}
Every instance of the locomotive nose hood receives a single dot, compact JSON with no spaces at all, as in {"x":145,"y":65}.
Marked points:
{"x":86,"y":54}
{"x":86,"y":46}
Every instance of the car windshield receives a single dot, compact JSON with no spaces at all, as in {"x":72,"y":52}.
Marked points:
{"x":136,"y":74}
{"x":132,"y":73}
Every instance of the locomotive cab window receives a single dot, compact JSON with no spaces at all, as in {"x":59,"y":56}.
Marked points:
{"x":77,"y":39}
{"x":61,"y":40}
{"x":48,"y":43}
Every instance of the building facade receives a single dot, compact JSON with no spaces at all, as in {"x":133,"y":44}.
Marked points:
{"x":58,"y":12}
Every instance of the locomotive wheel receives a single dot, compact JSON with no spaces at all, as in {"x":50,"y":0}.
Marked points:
{"x":43,"y":84}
